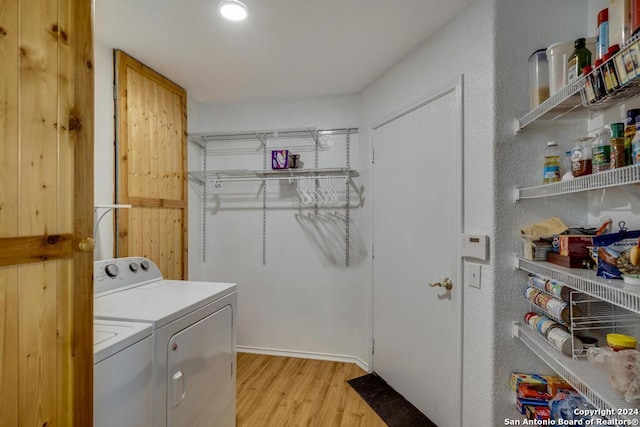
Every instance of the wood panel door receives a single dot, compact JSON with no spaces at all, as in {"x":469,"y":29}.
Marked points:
{"x":46,"y":213}
{"x":151,"y":153}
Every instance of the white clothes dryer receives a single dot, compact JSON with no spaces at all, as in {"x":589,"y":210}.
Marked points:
{"x":194,"y":338}
{"x":122,"y":374}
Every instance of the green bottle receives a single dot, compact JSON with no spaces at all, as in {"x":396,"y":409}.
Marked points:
{"x":580,"y":58}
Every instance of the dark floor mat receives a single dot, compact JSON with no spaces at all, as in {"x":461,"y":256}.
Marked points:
{"x":394,"y":409}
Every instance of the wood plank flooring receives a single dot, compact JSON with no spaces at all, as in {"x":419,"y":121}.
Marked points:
{"x":284,"y":391}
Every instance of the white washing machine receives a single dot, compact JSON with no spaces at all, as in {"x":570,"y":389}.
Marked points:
{"x":194,"y":338}
{"x":122,"y":374}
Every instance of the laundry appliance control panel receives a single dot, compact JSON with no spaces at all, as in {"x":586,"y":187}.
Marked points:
{"x":114,"y":275}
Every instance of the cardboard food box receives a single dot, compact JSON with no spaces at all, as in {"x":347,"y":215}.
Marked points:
{"x":523,"y":405}
{"x":536,"y":250}
{"x":566,"y":261}
{"x":575,"y":246}
{"x":281,"y":159}
{"x":537,"y":392}
{"x":555,"y":384}
{"x":517,"y":379}
{"x":542,"y":413}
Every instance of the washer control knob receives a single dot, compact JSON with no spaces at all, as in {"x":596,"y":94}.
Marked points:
{"x":145,"y":265}
{"x":134,"y":267}
{"x":112,"y":270}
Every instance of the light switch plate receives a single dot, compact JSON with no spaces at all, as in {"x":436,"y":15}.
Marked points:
{"x":472,"y":274}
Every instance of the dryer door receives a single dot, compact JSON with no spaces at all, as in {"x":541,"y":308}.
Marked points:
{"x":200,"y":371}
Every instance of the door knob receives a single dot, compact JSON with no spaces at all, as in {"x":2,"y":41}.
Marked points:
{"x":87,"y":244}
{"x":446,"y":283}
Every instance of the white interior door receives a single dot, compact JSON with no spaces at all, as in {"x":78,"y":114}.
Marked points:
{"x":417,"y":221}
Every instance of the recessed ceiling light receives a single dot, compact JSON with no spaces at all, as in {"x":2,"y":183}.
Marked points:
{"x":233,"y":10}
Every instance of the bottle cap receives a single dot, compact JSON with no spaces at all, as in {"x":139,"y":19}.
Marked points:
{"x":632,"y":114}
{"x":603,"y":16}
{"x":617,"y":130}
{"x":598,"y":63}
{"x":586,"y":70}
{"x":613,"y":49}
{"x":580,"y":42}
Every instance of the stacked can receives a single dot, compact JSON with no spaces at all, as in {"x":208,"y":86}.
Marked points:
{"x":558,"y":309}
{"x":556,"y":334}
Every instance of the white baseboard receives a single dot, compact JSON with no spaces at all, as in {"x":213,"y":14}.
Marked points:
{"x":305,"y":355}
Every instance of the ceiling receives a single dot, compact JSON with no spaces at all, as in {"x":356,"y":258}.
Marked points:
{"x":285,"y":48}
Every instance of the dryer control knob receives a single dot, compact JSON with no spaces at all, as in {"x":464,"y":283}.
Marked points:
{"x":133,"y":267}
{"x":145,"y":265}
{"x":112,"y":270}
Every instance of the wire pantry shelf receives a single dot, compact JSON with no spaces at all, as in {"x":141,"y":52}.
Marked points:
{"x":586,"y":281}
{"x":571,"y":101}
{"x":589,"y":381}
{"x":271,"y":174}
{"x":265,"y":135}
{"x":560,"y":104}
{"x":607,"y":179}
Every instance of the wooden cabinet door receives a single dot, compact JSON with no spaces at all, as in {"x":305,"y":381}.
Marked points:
{"x":46,"y":213}
{"x":151,"y":153}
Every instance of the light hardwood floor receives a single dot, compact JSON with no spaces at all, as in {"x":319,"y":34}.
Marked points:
{"x":284,"y":391}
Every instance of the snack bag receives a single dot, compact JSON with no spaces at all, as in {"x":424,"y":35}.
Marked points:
{"x":613,"y":253}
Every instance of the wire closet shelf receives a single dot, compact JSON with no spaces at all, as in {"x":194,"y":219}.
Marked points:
{"x":315,"y":186}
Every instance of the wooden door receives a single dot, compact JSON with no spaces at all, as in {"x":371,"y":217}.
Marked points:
{"x":46,"y":213}
{"x":417,"y":217}
{"x":151,"y":151}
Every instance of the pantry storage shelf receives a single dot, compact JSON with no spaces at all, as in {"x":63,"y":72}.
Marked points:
{"x":591,"y":382}
{"x":270,"y":174}
{"x":611,"y":178}
{"x":264,"y":135}
{"x":612,"y":291}
{"x":563,"y":104}
{"x":570,"y":102}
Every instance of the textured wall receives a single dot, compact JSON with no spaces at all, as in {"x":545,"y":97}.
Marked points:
{"x":522,"y":27}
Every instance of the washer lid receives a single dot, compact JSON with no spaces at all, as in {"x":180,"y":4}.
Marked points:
{"x":160,"y":302}
{"x":111,"y":337}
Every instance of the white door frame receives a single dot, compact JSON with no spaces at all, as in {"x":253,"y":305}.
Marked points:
{"x":455,"y":86}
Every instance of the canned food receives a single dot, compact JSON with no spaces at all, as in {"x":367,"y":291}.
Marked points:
{"x":563,"y":341}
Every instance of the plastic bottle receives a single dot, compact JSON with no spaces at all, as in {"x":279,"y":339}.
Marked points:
{"x":610,"y":74}
{"x":602,"y":33}
{"x":601,"y":151}
{"x":589,"y":84}
{"x":565,"y":170}
{"x":580,"y":58}
{"x":551,"y":171}
{"x":629,"y":134}
{"x":599,"y":87}
{"x":635,"y":145}
{"x":617,"y":146}
{"x":581,"y":164}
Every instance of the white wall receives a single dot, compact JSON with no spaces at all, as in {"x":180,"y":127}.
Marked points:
{"x":104,"y":139}
{"x":304,"y":300}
